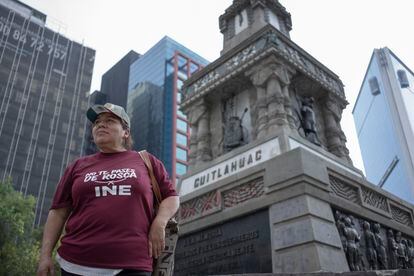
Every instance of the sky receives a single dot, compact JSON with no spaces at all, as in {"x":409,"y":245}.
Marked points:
{"x":340,"y":34}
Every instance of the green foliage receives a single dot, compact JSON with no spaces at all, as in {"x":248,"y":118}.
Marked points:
{"x":19,"y":242}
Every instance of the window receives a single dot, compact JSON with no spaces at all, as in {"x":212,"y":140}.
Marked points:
{"x":179,"y":84}
{"x":402,"y":78}
{"x":180,"y":154}
{"x":180,"y":113}
{"x":374,"y":86}
{"x":193,"y":68}
{"x":181,"y":125}
{"x":181,"y":139}
{"x":180,"y":168}
{"x":178,"y":97}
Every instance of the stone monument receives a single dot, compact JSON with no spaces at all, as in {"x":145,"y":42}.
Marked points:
{"x":270,"y":186}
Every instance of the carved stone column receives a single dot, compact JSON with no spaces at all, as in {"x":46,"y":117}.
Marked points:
{"x":203,"y":134}
{"x":258,"y":78}
{"x":334,"y":135}
{"x":276,"y":102}
{"x":200,"y":133}
{"x":192,"y":155}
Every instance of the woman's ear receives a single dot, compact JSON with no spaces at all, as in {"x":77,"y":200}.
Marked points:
{"x":127,"y":132}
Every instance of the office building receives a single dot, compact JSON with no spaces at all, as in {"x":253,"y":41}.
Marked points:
{"x":115,"y":81}
{"x":44,"y":86}
{"x":384,"y":118}
{"x":89,"y":147}
{"x":154,"y":96}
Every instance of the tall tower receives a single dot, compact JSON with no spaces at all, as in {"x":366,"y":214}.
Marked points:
{"x":44,"y":85}
{"x":384,"y":119}
{"x":154,"y":96}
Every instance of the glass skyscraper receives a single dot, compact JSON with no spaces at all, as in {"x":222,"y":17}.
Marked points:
{"x":154,"y":96}
{"x":384,"y":119}
{"x":44,"y":86}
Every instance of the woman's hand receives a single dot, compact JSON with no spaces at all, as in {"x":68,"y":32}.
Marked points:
{"x":156,"y":238}
{"x":45,"y":267}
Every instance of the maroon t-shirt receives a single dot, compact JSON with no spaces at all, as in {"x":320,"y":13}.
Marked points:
{"x":112,"y":209}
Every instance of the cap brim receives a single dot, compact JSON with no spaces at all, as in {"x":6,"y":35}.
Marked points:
{"x":94,"y":111}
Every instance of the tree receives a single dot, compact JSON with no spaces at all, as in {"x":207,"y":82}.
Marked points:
{"x":19,"y":241}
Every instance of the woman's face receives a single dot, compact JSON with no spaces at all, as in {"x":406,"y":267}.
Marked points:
{"x":108,"y":133}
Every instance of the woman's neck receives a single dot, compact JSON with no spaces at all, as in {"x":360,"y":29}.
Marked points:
{"x":111,"y":149}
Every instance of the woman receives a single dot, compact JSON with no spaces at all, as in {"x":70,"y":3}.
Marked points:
{"x":106,"y":201}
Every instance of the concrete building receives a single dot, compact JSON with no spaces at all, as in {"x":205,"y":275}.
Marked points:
{"x":154,"y":97}
{"x":384,"y":118}
{"x":44,"y":86}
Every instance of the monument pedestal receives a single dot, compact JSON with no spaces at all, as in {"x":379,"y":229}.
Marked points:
{"x":275,"y":214}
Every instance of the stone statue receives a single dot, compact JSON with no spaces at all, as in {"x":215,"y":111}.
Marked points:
{"x":410,"y":254}
{"x":392,"y":249}
{"x":308,"y":120}
{"x":370,"y":246}
{"x":380,"y":248}
{"x":352,"y":247}
{"x":234,"y":134}
{"x":401,"y":251}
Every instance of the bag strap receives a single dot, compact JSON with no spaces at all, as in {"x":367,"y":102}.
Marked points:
{"x":155,"y":187}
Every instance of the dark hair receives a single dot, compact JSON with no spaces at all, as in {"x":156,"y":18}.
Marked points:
{"x":128,"y":142}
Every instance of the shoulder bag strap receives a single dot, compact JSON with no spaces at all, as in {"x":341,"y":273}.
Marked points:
{"x":155,"y":188}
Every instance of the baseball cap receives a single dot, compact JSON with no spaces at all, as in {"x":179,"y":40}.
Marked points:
{"x":117,"y":110}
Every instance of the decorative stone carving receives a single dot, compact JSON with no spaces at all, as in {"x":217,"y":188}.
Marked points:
{"x":352,"y":246}
{"x":401,"y":251}
{"x":199,"y":206}
{"x":344,"y":190}
{"x":401,"y":215}
{"x":374,"y":199}
{"x":235,"y":135}
{"x":373,"y":252}
{"x":200,"y":149}
{"x":380,"y":248}
{"x":244,"y":192}
{"x":370,"y":246}
{"x":410,"y":254}
{"x":335,"y":137}
{"x":258,"y":78}
{"x":308,"y":120}
{"x":392,"y":250}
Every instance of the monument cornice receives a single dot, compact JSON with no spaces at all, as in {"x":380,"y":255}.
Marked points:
{"x":267,"y":41}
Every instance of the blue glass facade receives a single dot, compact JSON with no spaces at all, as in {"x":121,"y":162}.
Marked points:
{"x":153,"y":102}
{"x":384,"y":126}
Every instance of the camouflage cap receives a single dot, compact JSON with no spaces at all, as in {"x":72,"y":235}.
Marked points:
{"x":117,"y":110}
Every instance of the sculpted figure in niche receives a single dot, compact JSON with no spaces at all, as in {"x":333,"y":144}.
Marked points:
{"x":370,"y":246}
{"x":380,"y":248}
{"x":352,"y":247}
{"x":392,"y":249}
{"x":235,"y":135}
{"x":305,"y":113}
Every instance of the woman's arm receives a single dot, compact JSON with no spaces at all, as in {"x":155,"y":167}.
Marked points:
{"x":167,"y":210}
{"x":51,"y":233}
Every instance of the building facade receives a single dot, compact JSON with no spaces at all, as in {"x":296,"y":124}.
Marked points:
{"x":384,"y":118}
{"x":44,"y":85}
{"x":115,"y":81}
{"x":154,"y":97}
